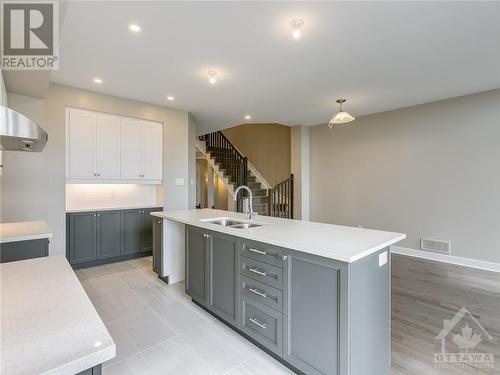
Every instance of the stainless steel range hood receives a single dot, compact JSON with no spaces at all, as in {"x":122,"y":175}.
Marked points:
{"x":19,"y":133}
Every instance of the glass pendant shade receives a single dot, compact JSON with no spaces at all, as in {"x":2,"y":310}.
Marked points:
{"x":341,"y":117}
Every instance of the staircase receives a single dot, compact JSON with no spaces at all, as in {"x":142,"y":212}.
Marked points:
{"x":277,"y":201}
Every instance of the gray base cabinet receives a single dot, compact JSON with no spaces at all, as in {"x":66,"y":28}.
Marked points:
{"x":22,"y":250}
{"x":317,"y":315}
{"x":105,"y":236}
{"x":157,"y":246}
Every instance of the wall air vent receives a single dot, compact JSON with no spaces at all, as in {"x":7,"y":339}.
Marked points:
{"x":437,"y":246}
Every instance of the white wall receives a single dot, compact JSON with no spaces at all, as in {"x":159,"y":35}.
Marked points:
{"x":431,"y":170}
{"x":95,"y":196}
{"x":33,"y":185}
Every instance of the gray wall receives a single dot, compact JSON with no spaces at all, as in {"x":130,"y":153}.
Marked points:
{"x":33,"y":185}
{"x":431,"y":170}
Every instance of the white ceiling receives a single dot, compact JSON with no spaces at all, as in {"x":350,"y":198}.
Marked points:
{"x":378,"y":55}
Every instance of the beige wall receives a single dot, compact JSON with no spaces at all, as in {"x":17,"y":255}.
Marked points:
{"x":33,"y":185}
{"x":431,"y":170}
{"x":267,"y":147}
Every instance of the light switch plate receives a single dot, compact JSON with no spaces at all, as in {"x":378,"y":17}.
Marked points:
{"x":179,"y":181}
{"x":382,"y":259}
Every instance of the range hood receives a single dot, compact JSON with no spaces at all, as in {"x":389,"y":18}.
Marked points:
{"x":19,"y":133}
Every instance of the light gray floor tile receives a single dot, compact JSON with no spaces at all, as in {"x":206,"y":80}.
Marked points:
{"x":146,"y":329}
{"x":135,"y":279}
{"x":90,"y":289}
{"x":142,"y":262}
{"x":154,"y":295}
{"x":95,"y":272}
{"x":120,"y":267}
{"x":178,"y":316}
{"x":103,"y":310}
{"x":244,"y":345}
{"x":110,"y":284}
{"x":124,"y":304}
{"x":256,"y":366}
{"x":215,"y":348}
{"x":274,"y":366}
{"x":175,"y":357}
{"x":124,"y":345}
{"x":133,"y":365}
{"x":81,"y":275}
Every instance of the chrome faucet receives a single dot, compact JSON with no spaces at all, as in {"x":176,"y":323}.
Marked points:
{"x":251,"y":214}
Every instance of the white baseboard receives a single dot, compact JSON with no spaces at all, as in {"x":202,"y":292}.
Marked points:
{"x":466,"y":262}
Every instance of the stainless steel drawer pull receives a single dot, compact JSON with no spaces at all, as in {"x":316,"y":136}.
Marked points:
{"x":258,"y":272}
{"x":258,"y":292}
{"x":257,"y":251}
{"x":256,"y":322}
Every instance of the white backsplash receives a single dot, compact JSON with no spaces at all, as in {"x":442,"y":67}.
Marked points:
{"x":94,"y":196}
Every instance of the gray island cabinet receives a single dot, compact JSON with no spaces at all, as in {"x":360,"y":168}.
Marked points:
{"x":315,"y":314}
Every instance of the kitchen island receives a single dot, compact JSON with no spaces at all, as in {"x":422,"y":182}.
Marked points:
{"x":48,"y":323}
{"x":315,"y":296}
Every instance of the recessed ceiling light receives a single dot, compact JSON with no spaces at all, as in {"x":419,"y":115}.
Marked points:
{"x":171,"y":98}
{"x":248,"y":117}
{"x":296,"y":25}
{"x":97,"y":80}
{"x":212,"y":77}
{"x":135,"y":28}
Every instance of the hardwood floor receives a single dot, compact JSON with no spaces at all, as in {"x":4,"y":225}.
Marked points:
{"x":424,"y":293}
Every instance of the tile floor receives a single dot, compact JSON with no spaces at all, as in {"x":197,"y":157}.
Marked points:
{"x":158,"y":330}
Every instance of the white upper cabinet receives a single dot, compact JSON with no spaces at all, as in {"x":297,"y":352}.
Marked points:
{"x":131,"y":149}
{"x":108,"y":147}
{"x":151,"y":145}
{"x":112,"y":148}
{"x":81,"y":144}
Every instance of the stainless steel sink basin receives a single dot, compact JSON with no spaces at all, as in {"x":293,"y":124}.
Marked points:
{"x":245,"y":225}
{"x":230,"y":223}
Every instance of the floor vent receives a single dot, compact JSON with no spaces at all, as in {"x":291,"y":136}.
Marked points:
{"x":438,"y":246}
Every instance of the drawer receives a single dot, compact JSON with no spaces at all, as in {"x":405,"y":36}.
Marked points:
{"x":263,"y":272}
{"x":262,"y":293}
{"x":262,"y":252}
{"x":263,"y":324}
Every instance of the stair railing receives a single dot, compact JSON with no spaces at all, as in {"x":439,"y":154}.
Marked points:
{"x":230,"y":159}
{"x":281,"y":199}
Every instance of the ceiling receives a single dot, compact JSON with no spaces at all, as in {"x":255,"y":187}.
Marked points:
{"x":378,"y":55}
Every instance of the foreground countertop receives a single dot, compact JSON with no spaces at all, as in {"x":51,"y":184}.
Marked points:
{"x":115,"y":208}
{"x":24,"y":231}
{"x":346,"y":244}
{"x":48,"y":323}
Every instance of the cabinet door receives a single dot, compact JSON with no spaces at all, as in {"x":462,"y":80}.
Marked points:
{"x":157,"y":245}
{"x":223,"y":269}
{"x":81,"y":144}
{"x":82,"y":237}
{"x":151,"y":146}
{"x":311,"y":318}
{"x":108,"y":147}
{"x":131,"y":149}
{"x":108,"y":234}
{"x":196,"y":264}
{"x":131,"y":222}
{"x":147,"y":231}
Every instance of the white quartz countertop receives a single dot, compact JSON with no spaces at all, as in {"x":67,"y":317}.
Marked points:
{"x":48,"y":323}
{"x":346,"y":244}
{"x":23,"y":231}
{"x":90,"y":209}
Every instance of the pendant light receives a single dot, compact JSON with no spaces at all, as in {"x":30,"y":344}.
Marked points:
{"x":341,"y":117}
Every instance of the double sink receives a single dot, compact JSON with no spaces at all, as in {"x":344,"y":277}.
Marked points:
{"x":231,"y":223}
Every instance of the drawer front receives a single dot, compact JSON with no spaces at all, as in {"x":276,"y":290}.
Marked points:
{"x":263,"y":272}
{"x":262,"y":293}
{"x":262,"y":252}
{"x":263,"y":324}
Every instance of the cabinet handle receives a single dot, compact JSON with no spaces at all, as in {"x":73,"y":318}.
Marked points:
{"x":256,"y":322}
{"x":258,"y":292}
{"x":257,"y":251}
{"x":284,"y":257}
{"x":258,"y":272}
